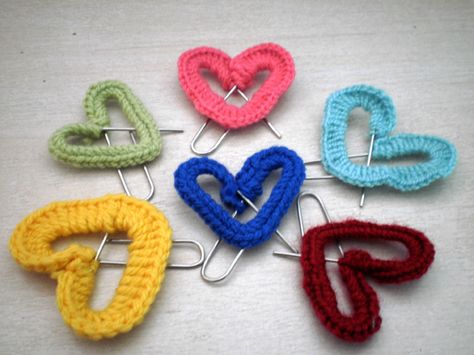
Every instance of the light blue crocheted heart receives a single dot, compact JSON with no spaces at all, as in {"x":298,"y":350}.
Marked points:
{"x":441,"y":155}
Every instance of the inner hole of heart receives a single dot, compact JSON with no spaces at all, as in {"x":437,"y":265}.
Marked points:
{"x":117,"y":119}
{"x":342,"y":296}
{"x":407,"y":160}
{"x":235,"y":99}
{"x":357,"y":136}
{"x":107,"y":277}
{"x":358,"y":142}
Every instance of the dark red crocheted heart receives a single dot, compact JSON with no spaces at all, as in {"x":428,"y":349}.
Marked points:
{"x":238,"y":71}
{"x":354,"y":267}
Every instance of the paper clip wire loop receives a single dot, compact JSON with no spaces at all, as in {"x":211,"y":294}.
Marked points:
{"x":216,"y":145}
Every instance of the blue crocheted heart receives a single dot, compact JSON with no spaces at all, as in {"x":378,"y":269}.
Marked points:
{"x":249,"y":182}
{"x":441,"y":155}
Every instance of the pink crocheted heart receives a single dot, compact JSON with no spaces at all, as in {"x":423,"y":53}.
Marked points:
{"x":237,"y":71}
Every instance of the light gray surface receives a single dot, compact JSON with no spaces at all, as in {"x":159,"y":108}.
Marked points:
{"x":421,"y":53}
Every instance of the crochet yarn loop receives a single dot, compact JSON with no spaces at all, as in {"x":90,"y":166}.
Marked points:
{"x":249,"y":182}
{"x":238,"y":71}
{"x":120,"y":156}
{"x":74,"y":268}
{"x":440,"y":154}
{"x":354,"y":266}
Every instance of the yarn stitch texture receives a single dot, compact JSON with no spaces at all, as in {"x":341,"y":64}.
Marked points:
{"x":353,"y":267}
{"x":85,"y":155}
{"x":249,"y":182}
{"x":440,"y":153}
{"x":74,"y":268}
{"x":238,"y":71}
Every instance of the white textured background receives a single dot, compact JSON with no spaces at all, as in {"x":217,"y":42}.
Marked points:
{"x":420,"y":52}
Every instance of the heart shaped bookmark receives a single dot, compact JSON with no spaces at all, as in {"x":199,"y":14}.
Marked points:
{"x":354,"y":267}
{"x":440,"y":154}
{"x":248,"y":182}
{"x":120,"y":156}
{"x":75,"y":267}
{"x":236,"y":72}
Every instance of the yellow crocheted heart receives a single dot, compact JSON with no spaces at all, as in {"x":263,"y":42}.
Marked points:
{"x":75,"y":267}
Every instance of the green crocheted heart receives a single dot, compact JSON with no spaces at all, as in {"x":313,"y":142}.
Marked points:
{"x":85,"y":155}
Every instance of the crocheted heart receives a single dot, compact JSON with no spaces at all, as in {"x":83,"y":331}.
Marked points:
{"x":440,"y":153}
{"x":249,"y":182}
{"x":75,"y":267}
{"x":238,"y":71}
{"x":120,"y":156}
{"x":354,"y":267}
